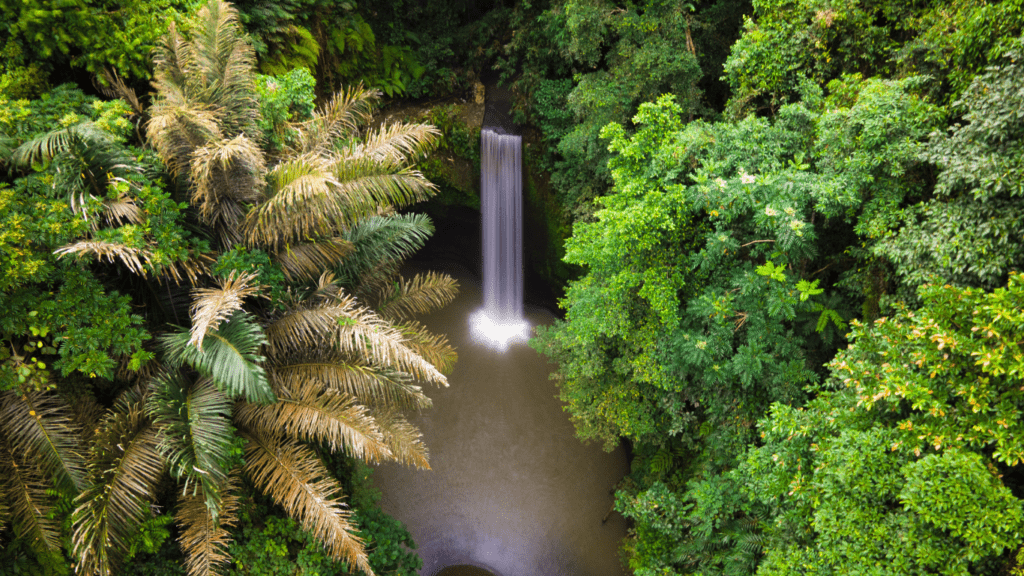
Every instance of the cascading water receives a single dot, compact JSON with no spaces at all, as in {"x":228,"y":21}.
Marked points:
{"x":501,"y":321}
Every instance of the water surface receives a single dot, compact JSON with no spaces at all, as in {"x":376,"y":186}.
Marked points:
{"x":511,"y":490}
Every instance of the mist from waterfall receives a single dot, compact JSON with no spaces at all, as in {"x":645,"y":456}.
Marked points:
{"x":501,"y":209}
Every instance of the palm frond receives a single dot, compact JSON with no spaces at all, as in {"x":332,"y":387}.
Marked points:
{"x":134,"y":259}
{"x":303,"y":202}
{"x":30,"y":505}
{"x":344,"y":375}
{"x":351,"y":329}
{"x":309,"y":260}
{"x":205,"y":538}
{"x":339,"y":119}
{"x":215,"y":305}
{"x":122,"y":209}
{"x":294,"y":477}
{"x":306,"y":413}
{"x":222,"y":64}
{"x":404,"y":439}
{"x":114,"y":87}
{"x":226,"y":169}
{"x":395,"y":144}
{"x":43,"y":148}
{"x":382,"y":241}
{"x":176,"y":129}
{"x":42,"y":428}
{"x":123,"y":473}
{"x":194,"y":420}
{"x":434,"y":348}
{"x":230,"y":357}
{"x":423,"y":293}
{"x":367,"y":185}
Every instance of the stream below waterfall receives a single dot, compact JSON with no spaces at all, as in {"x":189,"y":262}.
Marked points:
{"x":511,"y":492}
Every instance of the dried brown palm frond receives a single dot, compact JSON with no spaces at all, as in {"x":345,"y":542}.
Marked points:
{"x":294,"y":477}
{"x":114,"y":87}
{"x":135,"y":259}
{"x":307,"y":413}
{"x":340,"y":118}
{"x":226,"y":169}
{"x":42,"y":429}
{"x":341,"y":374}
{"x":394,"y":144}
{"x":176,"y":129}
{"x":308,"y":260}
{"x":351,"y":329}
{"x":434,"y":348}
{"x":404,"y":439}
{"x":367,"y":185}
{"x":423,"y":293}
{"x":123,"y":473}
{"x":303,"y":201}
{"x":29,"y":504}
{"x":203,"y":539}
{"x":215,"y":305}
{"x":121,"y":210}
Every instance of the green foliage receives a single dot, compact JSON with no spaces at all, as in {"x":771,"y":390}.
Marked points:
{"x":454,"y":165}
{"x":92,"y":34}
{"x":285,"y":97}
{"x":242,"y":260}
{"x":899,"y":463}
{"x":969,"y":233}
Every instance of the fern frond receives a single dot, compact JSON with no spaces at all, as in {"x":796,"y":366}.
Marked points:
{"x":305,"y":413}
{"x":205,"y":538}
{"x":230,"y":357}
{"x":294,"y":477}
{"x":123,"y":473}
{"x":423,"y":293}
{"x":41,"y":427}
{"x":215,"y":305}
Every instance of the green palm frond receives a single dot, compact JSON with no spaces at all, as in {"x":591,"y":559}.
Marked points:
{"x":215,"y":305}
{"x":308,"y":414}
{"x":344,"y":375}
{"x":404,"y":439}
{"x":29,"y":504}
{"x":309,"y":260}
{"x":41,"y":427}
{"x":434,"y":348}
{"x":230,"y":357}
{"x":338,"y":120}
{"x":382,"y":242}
{"x":194,"y":420}
{"x":421,"y":294}
{"x":43,"y":148}
{"x":350,"y":329}
{"x":367,"y":185}
{"x":204,"y":538}
{"x":294,"y":477}
{"x":123,"y":473}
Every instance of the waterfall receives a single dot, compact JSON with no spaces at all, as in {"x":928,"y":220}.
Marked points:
{"x":501,"y":210}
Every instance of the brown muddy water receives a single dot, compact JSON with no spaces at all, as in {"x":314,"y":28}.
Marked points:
{"x":511,"y":491}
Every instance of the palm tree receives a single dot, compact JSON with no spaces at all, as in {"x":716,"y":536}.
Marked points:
{"x":321,"y":366}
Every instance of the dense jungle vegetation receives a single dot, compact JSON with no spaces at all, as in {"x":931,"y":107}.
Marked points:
{"x":791,"y":279}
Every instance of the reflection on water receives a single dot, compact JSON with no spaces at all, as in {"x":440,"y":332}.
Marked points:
{"x":464,"y":570}
{"x":511,"y":490}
